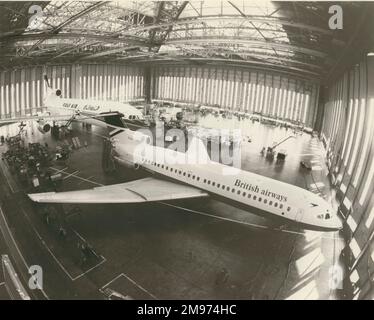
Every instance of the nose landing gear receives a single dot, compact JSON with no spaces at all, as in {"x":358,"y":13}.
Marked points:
{"x":107,"y":162}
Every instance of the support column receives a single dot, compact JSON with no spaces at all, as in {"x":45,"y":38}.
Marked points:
{"x":75,"y":83}
{"x":317,"y":126}
{"x":147,"y":84}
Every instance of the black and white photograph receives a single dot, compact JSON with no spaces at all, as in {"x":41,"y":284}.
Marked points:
{"x":203,"y":153}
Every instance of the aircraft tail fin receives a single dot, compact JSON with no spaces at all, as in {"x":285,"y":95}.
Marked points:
{"x":51,"y":93}
{"x":47,"y":81}
{"x":197,"y":151}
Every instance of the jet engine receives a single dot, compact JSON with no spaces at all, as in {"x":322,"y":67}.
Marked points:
{"x":126,"y":162}
{"x":131,"y":165}
{"x":122,"y":157}
{"x":44,"y":126}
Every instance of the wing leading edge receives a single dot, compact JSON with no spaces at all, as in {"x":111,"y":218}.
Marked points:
{"x":138,"y":191}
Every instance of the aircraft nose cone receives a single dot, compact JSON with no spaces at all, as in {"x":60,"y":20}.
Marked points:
{"x":337,"y":223}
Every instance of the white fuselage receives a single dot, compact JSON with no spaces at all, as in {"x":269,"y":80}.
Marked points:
{"x":256,"y":193}
{"x":88,"y":111}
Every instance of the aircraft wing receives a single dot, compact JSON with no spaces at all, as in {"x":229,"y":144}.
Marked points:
{"x":61,"y":117}
{"x":143,"y":190}
{"x":29,"y":118}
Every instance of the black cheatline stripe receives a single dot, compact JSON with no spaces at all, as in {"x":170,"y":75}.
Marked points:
{"x":115,"y":133}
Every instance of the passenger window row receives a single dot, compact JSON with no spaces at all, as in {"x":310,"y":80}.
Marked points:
{"x":218,"y":185}
{"x":180,"y":172}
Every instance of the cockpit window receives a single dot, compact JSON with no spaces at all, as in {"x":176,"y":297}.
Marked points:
{"x":322,"y":216}
{"x":313,"y":205}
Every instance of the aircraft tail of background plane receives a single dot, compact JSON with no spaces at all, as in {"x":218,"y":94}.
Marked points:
{"x":197,"y":151}
{"x":50,"y":90}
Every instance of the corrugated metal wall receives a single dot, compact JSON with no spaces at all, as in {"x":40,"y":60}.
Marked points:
{"x":348,"y":133}
{"x":238,"y":89}
{"x":22,"y":91}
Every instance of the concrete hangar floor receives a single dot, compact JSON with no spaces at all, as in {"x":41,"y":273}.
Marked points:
{"x":174,"y":250}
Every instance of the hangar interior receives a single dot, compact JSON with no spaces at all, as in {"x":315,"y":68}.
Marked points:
{"x":270,"y":68}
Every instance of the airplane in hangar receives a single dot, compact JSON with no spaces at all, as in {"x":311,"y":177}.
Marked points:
{"x":246,"y":190}
{"x":65,"y":110}
{"x":182,"y":178}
